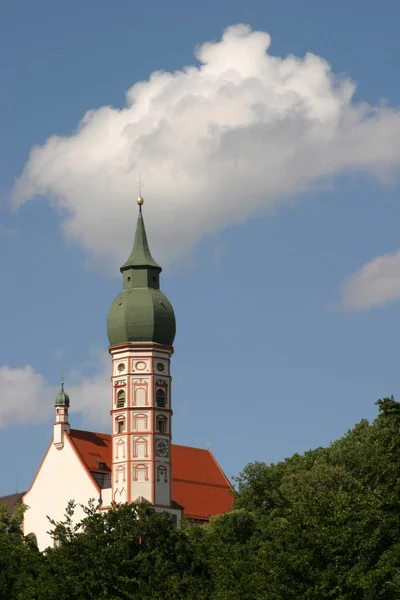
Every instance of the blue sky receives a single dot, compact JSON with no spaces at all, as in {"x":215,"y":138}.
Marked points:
{"x":286,"y":311}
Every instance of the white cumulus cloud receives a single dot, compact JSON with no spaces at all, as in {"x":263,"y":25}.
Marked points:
{"x":376,"y":283}
{"x":215,"y":143}
{"x":26,"y":397}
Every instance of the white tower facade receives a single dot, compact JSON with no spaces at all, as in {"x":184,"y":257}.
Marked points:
{"x":141,"y":423}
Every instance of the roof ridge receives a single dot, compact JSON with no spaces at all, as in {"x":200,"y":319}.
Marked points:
{"x":91,"y":432}
{"x":194,"y":482}
{"x":191,"y":447}
{"x":221,"y":471}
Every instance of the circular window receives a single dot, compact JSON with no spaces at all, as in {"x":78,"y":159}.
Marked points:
{"x":121,"y":367}
{"x":160,"y":367}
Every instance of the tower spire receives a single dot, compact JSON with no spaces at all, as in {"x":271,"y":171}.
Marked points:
{"x":141,"y":312}
{"x":140,"y":257}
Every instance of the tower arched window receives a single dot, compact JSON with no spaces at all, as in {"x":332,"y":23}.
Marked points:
{"x":120,"y":424}
{"x":121,"y":399}
{"x":162,"y":475}
{"x":160,"y":398}
{"x":161,"y":424}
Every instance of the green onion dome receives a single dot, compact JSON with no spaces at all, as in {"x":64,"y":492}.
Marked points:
{"x":141,"y":312}
{"x":62,"y":398}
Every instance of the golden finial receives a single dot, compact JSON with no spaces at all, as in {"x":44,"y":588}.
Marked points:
{"x":140,"y":199}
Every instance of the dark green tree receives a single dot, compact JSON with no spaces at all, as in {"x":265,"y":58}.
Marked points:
{"x":331,"y":518}
{"x":20,"y":560}
{"x":128,"y":552}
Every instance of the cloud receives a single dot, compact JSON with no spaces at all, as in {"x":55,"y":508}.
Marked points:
{"x":215,"y":143}
{"x":26,"y":397}
{"x":376,"y":283}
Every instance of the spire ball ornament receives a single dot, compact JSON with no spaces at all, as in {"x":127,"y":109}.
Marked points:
{"x":140,"y":200}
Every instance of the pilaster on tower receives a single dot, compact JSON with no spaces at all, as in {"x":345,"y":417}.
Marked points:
{"x":141,"y":331}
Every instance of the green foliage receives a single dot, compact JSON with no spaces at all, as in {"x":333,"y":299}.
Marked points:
{"x":19,"y":558}
{"x":128,"y":552}
{"x":332,"y":515}
{"x":323,"y":525}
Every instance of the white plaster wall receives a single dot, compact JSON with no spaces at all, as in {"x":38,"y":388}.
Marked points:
{"x":58,"y":433}
{"x":106,"y":495}
{"x":61,"y":478}
{"x":141,"y":488}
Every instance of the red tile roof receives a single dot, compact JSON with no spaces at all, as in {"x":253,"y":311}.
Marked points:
{"x":94,"y":448}
{"x":198,"y":482}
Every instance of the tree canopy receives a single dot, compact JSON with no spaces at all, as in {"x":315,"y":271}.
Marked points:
{"x":322,"y":525}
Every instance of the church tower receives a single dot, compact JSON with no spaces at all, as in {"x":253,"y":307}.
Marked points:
{"x":141,"y":331}
{"x":61,"y":424}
